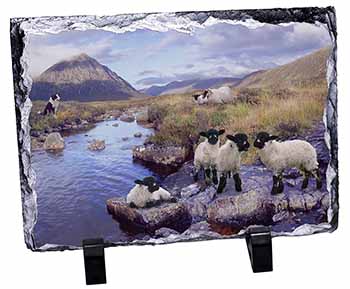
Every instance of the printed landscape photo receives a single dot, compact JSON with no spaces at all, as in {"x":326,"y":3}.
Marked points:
{"x":160,"y":135}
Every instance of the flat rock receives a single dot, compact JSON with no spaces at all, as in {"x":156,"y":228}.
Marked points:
{"x":142,"y":117}
{"x":97,"y":145}
{"x":167,"y":157}
{"x":127,"y":118}
{"x":174,"y":216}
{"x":53,"y":142}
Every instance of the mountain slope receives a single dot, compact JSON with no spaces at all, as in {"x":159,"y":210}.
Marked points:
{"x":189,"y":85}
{"x":81,"y":78}
{"x":308,"y":69}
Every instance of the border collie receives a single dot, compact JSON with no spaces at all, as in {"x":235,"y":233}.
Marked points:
{"x":52,"y":105}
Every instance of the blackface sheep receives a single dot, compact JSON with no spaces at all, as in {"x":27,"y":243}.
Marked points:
{"x":278,"y":156}
{"x":147,"y":193}
{"x":229,"y":160}
{"x":222,"y":95}
{"x":206,"y":153}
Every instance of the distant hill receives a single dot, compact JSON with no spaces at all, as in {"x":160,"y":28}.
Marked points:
{"x":81,"y":78}
{"x":189,"y":85}
{"x":308,"y":69}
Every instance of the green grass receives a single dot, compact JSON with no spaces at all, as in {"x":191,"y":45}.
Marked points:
{"x":279,"y":111}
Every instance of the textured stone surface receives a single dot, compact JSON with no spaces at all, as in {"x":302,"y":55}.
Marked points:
{"x":127,"y":118}
{"x":170,"y":157}
{"x":97,"y":145}
{"x":183,"y":21}
{"x":174,"y":216}
{"x":54,"y":141}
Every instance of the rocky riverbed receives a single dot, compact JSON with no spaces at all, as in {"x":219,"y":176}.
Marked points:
{"x":230,"y":213}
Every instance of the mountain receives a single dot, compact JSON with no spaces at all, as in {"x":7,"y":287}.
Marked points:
{"x":189,"y":85}
{"x":81,"y":78}
{"x":307,"y":69}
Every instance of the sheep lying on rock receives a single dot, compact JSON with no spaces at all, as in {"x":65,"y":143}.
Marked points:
{"x":221,"y":95}
{"x":147,"y":193}
{"x":229,"y":160}
{"x":206,"y":153}
{"x":278,"y":156}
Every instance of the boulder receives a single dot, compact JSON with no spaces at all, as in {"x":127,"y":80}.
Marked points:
{"x":127,"y":118}
{"x":53,"y":142}
{"x":138,"y":134}
{"x":125,"y":138}
{"x":97,"y":145}
{"x":163,"y":158}
{"x":240,"y":211}
{"x":115,"y":124}
{"x":174,"y":216}
{"x":142,"y":117}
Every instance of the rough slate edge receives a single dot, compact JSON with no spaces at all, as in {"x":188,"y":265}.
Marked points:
{"x":22,"y":84}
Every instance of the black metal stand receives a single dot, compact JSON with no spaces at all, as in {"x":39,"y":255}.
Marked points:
{"x":259,"y":243}
{"x":94,"y":260}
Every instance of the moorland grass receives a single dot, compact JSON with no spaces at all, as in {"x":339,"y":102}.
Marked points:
{"x":279,"y":111}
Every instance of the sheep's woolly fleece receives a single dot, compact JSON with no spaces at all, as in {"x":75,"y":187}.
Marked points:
{"x":278,"y":156}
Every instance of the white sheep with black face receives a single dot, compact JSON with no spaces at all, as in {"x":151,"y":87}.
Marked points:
{"x":228,"y":160}
{"x":147,"y":193}
{"x":206,"y":153}
{"x":221,"y":95}
{"x":278,"y":156}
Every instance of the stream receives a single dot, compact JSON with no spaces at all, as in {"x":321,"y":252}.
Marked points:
{"x":72,"y":186}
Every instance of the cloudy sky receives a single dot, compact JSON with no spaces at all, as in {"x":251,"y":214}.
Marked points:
{"x":146,"y":57}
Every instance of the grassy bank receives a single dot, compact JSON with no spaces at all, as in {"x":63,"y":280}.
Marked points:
{"x":283,"y":112}
{"x":280,"y":111}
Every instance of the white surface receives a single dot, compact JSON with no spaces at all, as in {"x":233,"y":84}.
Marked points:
{"x":319,"y":261}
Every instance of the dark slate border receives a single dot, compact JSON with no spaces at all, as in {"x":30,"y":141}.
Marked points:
{"x":324,"y":15}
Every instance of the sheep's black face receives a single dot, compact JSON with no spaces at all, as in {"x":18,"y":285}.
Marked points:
{"x":241,"y":140}
{"x":262,"y":138}
{"x":212,"y":135}
{"x":150,"y":183}
{"x":195,"y":96}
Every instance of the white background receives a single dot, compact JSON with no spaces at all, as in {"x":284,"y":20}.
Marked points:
{"x":317,"y":261}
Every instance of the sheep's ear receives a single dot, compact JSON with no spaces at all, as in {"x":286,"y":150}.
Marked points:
{"x":230,"y":137}
{"x":221,"y":131}
{"x":139,"y":182}
{"x":203,"y":134}
{"x":273,"y":137}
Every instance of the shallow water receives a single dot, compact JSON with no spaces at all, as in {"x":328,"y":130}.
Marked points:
{"x":73,"y":185}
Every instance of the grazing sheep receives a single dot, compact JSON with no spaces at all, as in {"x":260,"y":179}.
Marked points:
{"x":201,"y":98}
{"x":229,"y":160}
{"x":222,"y":95}
{"x":147,"y":193}
{"x":206,"y":153}
{"x":278,"y":156}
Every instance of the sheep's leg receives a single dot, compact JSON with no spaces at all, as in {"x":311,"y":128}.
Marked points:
{"x":195,"y":174}
{"x":215,"y":176}
{"x":207,"y":173}
{"x":152,"y":203}
{"x":222,"y":183}
{"x":317,"y":174}
{"x":306,"y":180}
{"x":238,"y":182}
{"x":278,"y":185}
{"x":132,"y":205}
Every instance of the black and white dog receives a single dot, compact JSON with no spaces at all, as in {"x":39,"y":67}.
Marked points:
{"x":52,"y":105}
